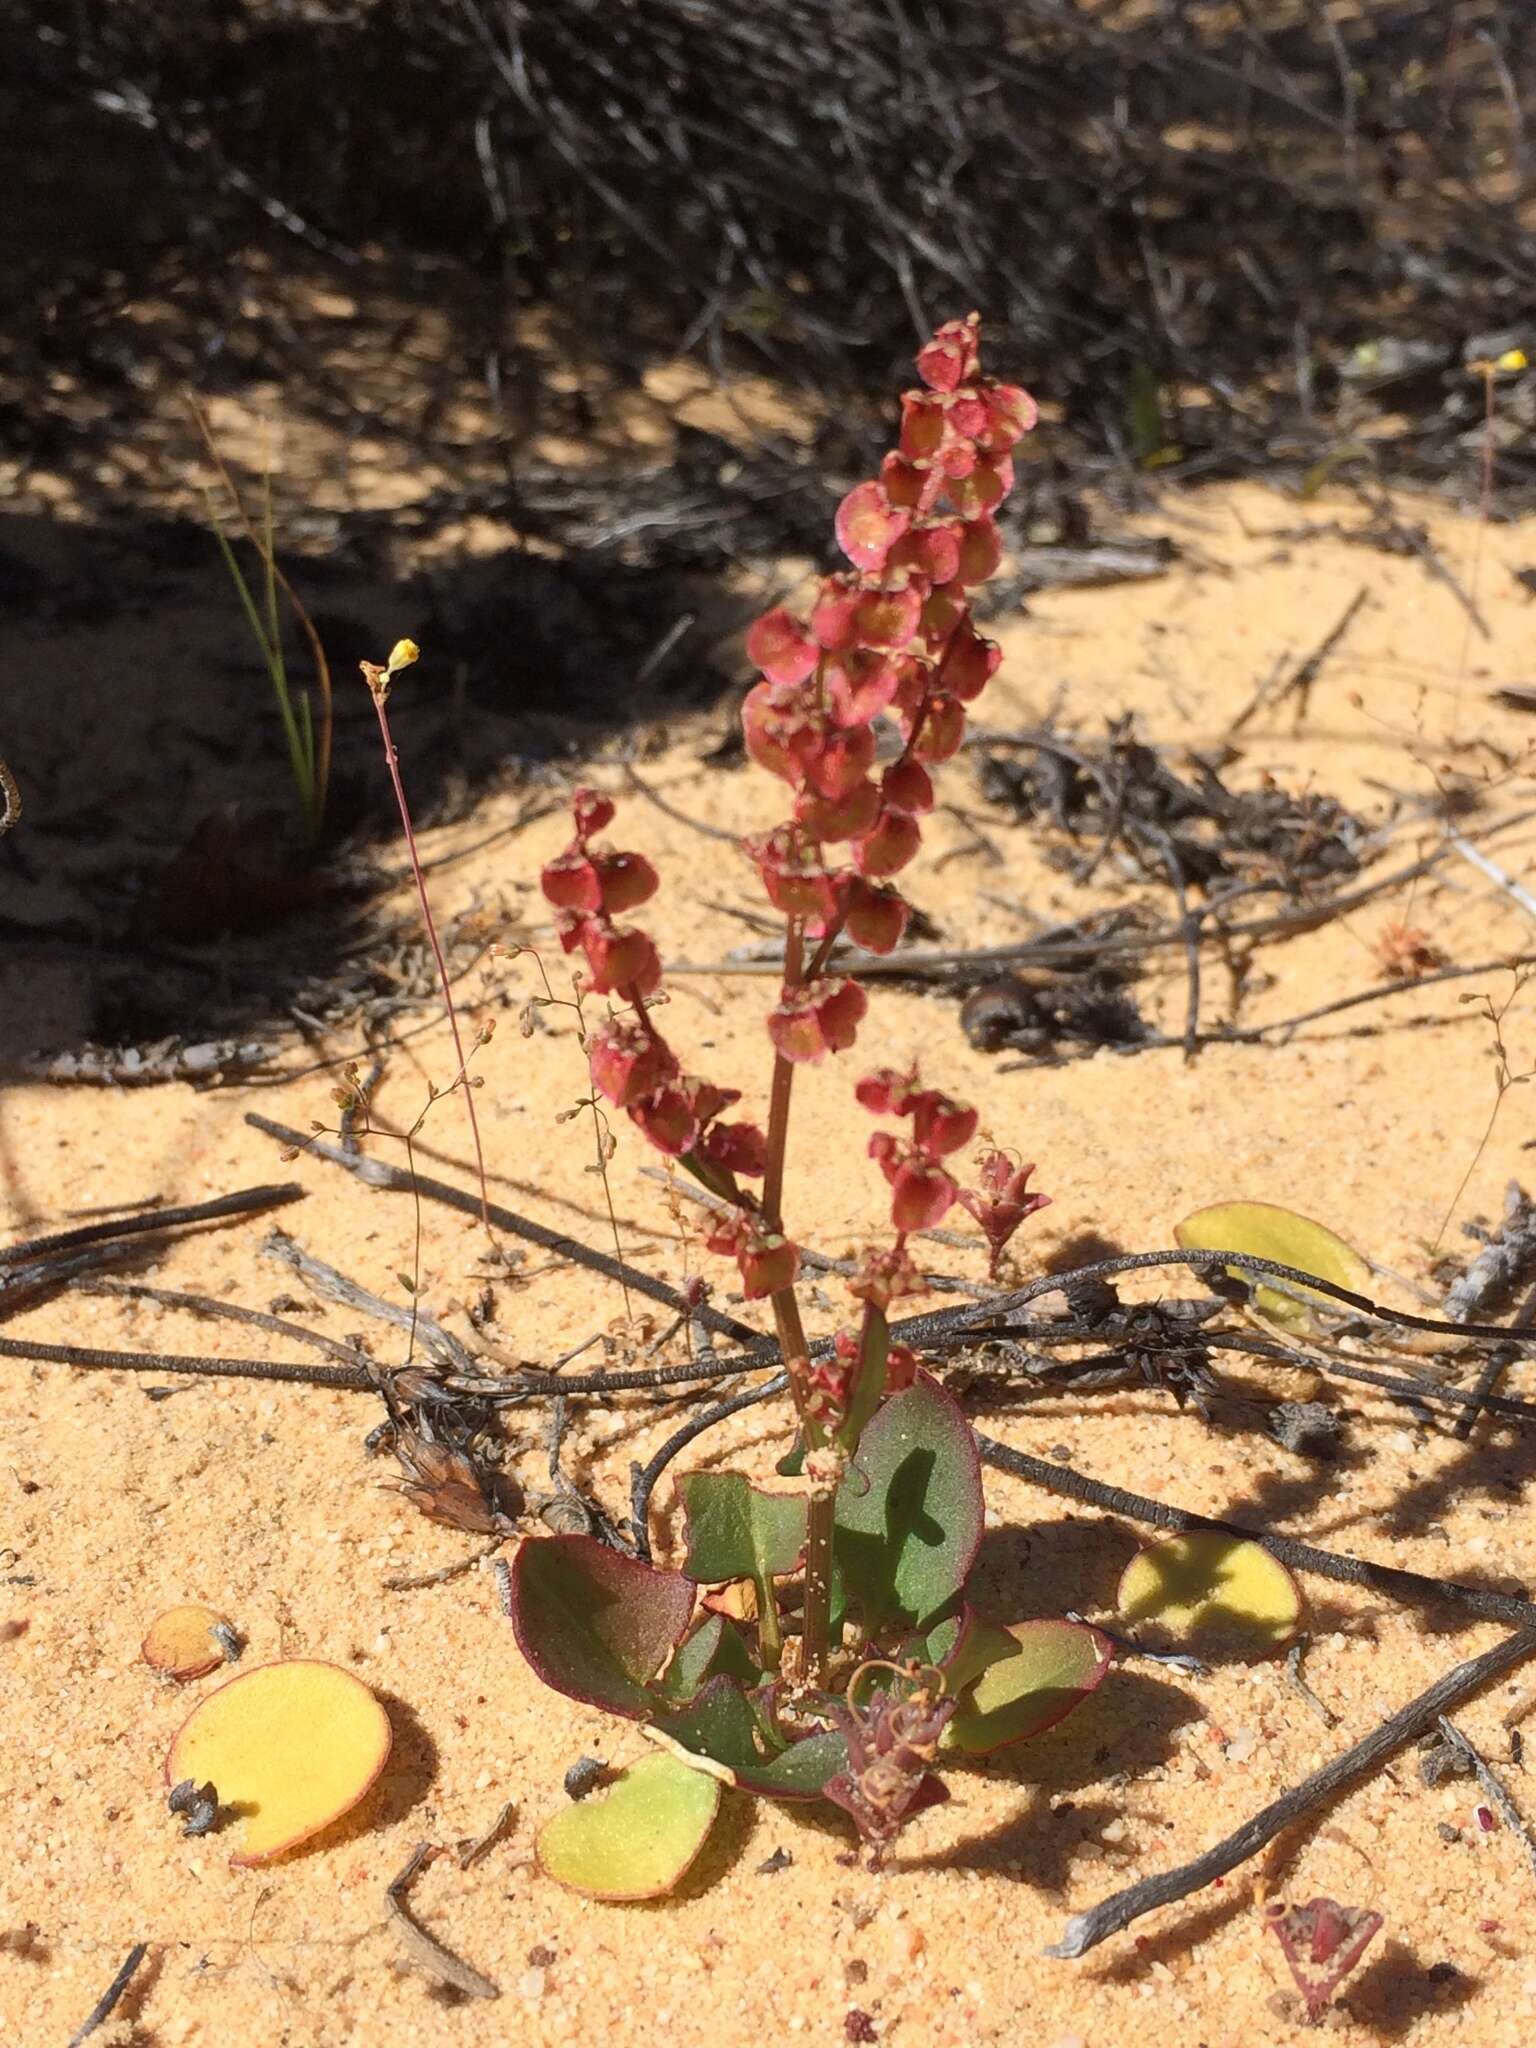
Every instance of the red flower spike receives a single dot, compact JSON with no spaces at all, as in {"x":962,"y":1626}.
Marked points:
{"x":668,"y":1119}
{"x":981,"y":551}
{"x":736,"y":1149}
{"x":888,"y":848}
{"x":942,"y":732}
{"x":1002,"y":1202}
{"x":627,"y":1062}
{"x":942,"y":612}
{"x":933,"y":551}
{"x":780,"y":727}
{"x":924,"y":425}
{"x":970,"y":662}
{"x":859,"y":684}
{"x":887,"y":1092}
{"x":570,"y":881}
{"x":911,"y":486}
{"x":834,"y":615}
{"x":591,"y":811}
{"x":900,"y":1368}
{"x":822,"y":1017}
{"x":907,"y":786}
{"x":1011,"y":413}
{"x":828,"y":819}
{"x":882,"y":1277}
{"x":781,"y":646}
{"x":952,"y":356}
{"x":839,"y":761}
{"x":922,"y":1193}
{"x":889,"y":617}
{"x":868,"y":526}
{"x":967,"y":415}
{"x":875,"y":918}
{"x":621,"y":959}
{"x":984,"y":489}
{"x":793,"y":878}
{"x":940,"y":1125}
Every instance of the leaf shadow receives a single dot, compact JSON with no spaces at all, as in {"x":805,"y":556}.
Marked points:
{"x":1395,"y":1991}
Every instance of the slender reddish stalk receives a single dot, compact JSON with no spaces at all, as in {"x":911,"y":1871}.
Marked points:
{"x":378,"y":680}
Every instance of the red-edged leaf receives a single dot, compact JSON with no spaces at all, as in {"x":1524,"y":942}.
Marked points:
{"x":596,"y":1625}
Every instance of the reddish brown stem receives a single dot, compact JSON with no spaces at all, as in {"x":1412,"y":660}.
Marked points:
{"x":392,"y":761}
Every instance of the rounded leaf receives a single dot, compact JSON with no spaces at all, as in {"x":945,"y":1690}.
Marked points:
{"x":180,"y":1644}
{"x":637,"y":1839}
{"x":1207,"y":1591}
{"x":594,"y":1624}
{"x":1266,"y":1231}
{"x":288,"y":1748}
{"x":1032,"y":1675}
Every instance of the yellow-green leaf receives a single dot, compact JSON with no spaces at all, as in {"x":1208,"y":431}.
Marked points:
{"x":637,"y":1839}
{"x":1210,"y":1593}
{"x":1266,"y":1231}
{"x":288,"y":1748}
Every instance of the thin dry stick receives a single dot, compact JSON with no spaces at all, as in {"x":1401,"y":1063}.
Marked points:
{"x":352,"y":1379}
{"x":227,"y":1311}
{"x":379,"y":1174}
{"x":244,"y":1202}
{"x":1086,"y":1930}
{"x":1495,"y":1791}
{"x":106,"y":2005}
{"x":1493,"y":1371}
{"x":424,"y":1948}
{"x":378,"y":680}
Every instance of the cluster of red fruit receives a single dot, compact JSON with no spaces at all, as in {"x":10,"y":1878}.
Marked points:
{"x":891,"y":637}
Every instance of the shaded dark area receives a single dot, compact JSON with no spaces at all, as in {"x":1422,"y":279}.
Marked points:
{"x":1217,"y":239}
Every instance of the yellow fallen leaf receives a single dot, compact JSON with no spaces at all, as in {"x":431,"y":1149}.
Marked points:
{"x":1208,"y":1591}
{"x":1266,"y":1231}
{"x":288,"y":1748}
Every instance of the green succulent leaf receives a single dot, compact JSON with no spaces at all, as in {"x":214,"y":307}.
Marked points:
{"x":724,"y":1725}
{"x":1266,"y":1231}
{"x":1016,"y":1682}
{"x":637,"y":1839}
{"x":909,"y":1511}
{"x":596,"y":1625}
{"x":736,"y":1532}
{"x":715,"y":1646}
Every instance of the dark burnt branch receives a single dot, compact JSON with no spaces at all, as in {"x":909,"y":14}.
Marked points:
{"x":1086,"y":1930}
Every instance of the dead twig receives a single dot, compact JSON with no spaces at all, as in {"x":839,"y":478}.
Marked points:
{"x":227,"y":1311}
{"x":376,"y":1173}
{"x":423,"y":1948}
{"x":353,"y":1379}
{"x":106,"y":2005}
{"x":244,"y":1202}
{"x":1495,"y":1791}
{"x":1086,"y":1930}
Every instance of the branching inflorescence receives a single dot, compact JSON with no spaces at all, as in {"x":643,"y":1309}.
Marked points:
{"x":890,"y":638}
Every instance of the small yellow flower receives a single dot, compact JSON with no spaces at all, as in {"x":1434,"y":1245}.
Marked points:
{"x":401,"y":655}
{"x":1512,"y":359}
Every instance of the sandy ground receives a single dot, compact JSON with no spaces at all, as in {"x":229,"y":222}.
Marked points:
{"x":260,"y":1501}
